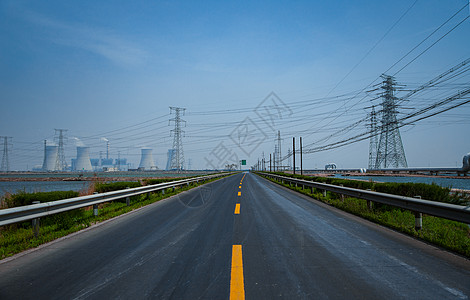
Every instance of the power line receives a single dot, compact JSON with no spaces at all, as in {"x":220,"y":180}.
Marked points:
{"x":373,"y":47}
{"x":425,"y":50}
{"x":420,"y":43}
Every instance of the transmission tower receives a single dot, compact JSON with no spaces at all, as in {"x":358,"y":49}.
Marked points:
{"x":61,"y":163}
{"x":5,"y":160}
{"x":177,"y":160}
{"x":390,"y":152}
{"x":373,"y":139}
{"x":189,"y":164}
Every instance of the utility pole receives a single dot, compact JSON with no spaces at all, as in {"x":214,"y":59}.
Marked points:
{"x":301,"y":163}
{"x":279,"y":162}
{"x":61,"y":163}
{"x":289,"y":160}
{"x":390,"y":152}
{"x":5,"y":159}
{"x":293,"y":153}
{"x":177,"y":160}
{"x":262,"y":165}
{"x":277,"y":151}
{"x":274,"y":162}
{"x":270,"y":170}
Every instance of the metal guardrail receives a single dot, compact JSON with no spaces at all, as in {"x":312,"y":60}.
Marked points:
{"x":438,"y":209}
{"x":34,"y":211}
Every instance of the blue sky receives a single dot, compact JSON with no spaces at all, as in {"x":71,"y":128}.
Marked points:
{"x":100,"y":68}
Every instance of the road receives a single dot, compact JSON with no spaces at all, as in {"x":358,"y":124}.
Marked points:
{"x":241,"y":236}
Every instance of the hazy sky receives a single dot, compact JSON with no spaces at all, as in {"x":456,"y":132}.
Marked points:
{"x":112,"y":69}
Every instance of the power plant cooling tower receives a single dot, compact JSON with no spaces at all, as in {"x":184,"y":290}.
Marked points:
{"x":146,"y":160}
{"x":83,"y":162}
{"x":50,"y":158}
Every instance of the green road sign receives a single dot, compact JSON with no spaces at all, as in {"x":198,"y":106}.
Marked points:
{"x":243,"y":162}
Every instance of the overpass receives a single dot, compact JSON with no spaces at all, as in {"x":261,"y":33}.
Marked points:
{"x":239,"y":237}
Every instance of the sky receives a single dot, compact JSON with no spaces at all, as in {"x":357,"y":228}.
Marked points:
{"x":112,"y":70}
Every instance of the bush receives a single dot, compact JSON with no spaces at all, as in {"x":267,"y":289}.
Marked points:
{"x":23,"y":198}
{"x":115,"y":186}
{"x":432,"y":192}
{"x":63,"y":220}
{"x":151,"y":181}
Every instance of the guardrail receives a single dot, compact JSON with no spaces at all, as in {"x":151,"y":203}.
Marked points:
{"x":34,"y":211}
{"x":418,"y":206}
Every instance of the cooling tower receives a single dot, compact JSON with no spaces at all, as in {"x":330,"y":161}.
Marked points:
{"x":50,"y":158}
{"x":146,"y":161}
{"x":83,"y":162}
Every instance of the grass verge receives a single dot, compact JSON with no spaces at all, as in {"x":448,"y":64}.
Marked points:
{"x":451,"y":235}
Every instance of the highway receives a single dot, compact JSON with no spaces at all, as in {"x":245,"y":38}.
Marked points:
{"x":238,"y":237}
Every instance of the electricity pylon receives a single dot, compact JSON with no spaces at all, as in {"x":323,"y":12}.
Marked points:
{"x":390,"y":152}
{"x":177,"y":160}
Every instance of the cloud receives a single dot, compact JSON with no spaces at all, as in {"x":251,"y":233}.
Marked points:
{"x":102,"y":42}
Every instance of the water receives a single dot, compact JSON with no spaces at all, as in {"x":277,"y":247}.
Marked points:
{"x":14,"y":187}
{"x":463,"y":184}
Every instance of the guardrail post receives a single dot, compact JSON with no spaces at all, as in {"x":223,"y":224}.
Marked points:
{"x":311,"y":189}
{"x":95,"y":206}
{"x":163,"y":192}
{"x":342,"y":195}
{"x":128,"y":199}
{"x":173,"y":188}
{"x":418,"y":218}
{"x":370,"y":204}
{"x":324,"y":193}
{"x":35,"y":223}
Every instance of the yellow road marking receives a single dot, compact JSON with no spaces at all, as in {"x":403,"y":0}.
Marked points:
{"x":237,"y":208}
{"x":237,"y":287}
{"x":239,"y":193}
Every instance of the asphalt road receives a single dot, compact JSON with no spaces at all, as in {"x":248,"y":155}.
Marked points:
{"x":232,"y":238}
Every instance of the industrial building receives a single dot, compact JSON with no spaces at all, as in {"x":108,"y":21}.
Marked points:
{"x":82,"y":162}
{"x":146,"y":161}
{"x":50,"y":158}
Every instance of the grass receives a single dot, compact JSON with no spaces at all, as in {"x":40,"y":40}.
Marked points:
{"x":20,"y":237}
{"x":451,"y":235}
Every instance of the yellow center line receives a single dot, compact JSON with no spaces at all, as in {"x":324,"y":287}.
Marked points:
{"x":237,"y":287}
{"x":237,"y":208}
{"x":239,"y":193}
